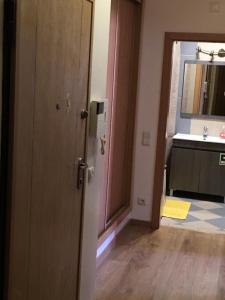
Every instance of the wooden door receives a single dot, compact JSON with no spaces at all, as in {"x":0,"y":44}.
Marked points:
{"x":122,"y":89}
{"x":51,"y":89}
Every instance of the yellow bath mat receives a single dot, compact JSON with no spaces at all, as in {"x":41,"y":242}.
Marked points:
{"x":176,"y":209}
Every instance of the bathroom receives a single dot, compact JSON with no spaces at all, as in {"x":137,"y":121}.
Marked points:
{"x":195,"y":154}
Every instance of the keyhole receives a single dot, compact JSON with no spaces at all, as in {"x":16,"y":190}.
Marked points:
{"x":57,"y":106}
{"x":68,"y":105}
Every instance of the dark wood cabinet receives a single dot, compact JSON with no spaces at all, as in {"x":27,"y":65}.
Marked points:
{"x":195,"y":167}
{"x":184,"y":170}
{"x":212,"y":174}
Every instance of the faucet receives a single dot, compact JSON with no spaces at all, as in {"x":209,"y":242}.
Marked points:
{"x":205,"y":132}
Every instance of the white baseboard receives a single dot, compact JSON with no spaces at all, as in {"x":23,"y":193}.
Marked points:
{"x":106,"y":243}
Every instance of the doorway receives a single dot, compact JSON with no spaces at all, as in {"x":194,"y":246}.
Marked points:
{"x":202,"y":155}
{"x":7,"y":37}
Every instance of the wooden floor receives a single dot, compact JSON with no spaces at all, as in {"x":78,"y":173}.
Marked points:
{"x":170,"y":264}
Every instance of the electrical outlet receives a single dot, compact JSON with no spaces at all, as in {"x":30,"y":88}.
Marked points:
{"x":141,"y":202}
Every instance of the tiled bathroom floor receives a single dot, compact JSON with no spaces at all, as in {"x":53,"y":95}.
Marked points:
{"x":203,"y":216}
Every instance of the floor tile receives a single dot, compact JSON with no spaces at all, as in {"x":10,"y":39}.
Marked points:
{"x":204,"y":215}
{"x":190,"y":218}
{"x":219,"y":211}
{"x":194,"y":207}
{"x":201,"y":225}
{"x":220,"y":223}
{"x":208,"y":205}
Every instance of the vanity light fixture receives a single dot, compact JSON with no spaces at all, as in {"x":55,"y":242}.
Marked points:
{"x":212,"y":54}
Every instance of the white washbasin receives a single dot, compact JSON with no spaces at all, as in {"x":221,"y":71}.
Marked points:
{"x":192,"y":137}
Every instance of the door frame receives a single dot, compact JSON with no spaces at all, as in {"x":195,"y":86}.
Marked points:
{"x":169,"y":39}
{"x":8,"y":88}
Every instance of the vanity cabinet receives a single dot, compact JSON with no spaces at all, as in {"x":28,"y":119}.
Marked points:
{"x":195,"y":167}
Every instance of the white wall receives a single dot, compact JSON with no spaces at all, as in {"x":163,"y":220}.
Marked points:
{"x":172,"y":116}
{"x":93,"y":188}
{"x":171,"y":122}
{"x":211,"y":47}
{"x":215,"y":126}
{"x":159,"y":17}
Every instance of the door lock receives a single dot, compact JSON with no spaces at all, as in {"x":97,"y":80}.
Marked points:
{"x":84,"y":114}
{"x":82,"y":166}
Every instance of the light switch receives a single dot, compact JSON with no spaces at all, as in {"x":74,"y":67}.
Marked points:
{"x":146,"y":138}
{"x":214,"y":6}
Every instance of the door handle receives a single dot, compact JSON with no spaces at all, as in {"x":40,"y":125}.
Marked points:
{"x":103,"y":143}
{"x":82,"y":166}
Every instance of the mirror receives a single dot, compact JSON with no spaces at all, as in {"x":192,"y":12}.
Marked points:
{"x":203,"y":89}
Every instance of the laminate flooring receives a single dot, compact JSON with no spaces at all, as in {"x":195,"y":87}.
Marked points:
{"x":168,"y":264}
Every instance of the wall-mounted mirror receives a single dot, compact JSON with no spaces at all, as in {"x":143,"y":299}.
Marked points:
{"x":203,"y":89}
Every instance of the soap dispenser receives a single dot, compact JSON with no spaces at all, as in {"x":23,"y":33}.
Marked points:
{"x":222,"y":133}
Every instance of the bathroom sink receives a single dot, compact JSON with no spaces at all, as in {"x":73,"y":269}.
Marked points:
{"x":192,"y":137}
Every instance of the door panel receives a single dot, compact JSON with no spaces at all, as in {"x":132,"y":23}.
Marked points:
{"x":122,"y":87}
{"x":185,"y":169}
{"x":60,"y":64}
{"x":212,"y":174}
{"x":22,"y":150}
